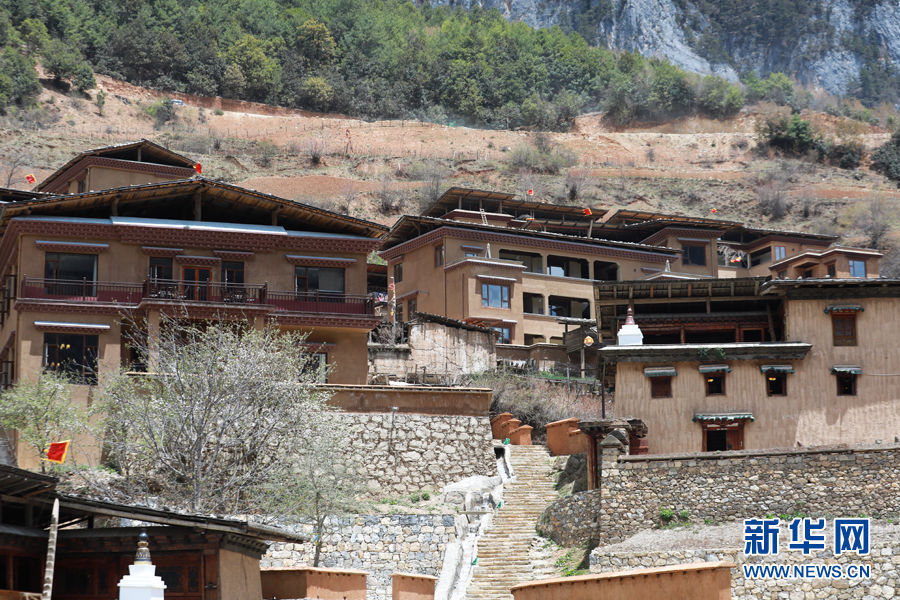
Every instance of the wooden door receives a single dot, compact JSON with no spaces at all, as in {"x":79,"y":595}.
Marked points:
{"x":196,"y":283}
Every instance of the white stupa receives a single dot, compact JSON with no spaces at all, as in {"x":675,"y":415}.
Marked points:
{"x":630,"y":334}
{"x":142,"y":582}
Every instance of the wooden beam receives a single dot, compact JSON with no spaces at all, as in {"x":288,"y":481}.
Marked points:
{"x":198,"y":206}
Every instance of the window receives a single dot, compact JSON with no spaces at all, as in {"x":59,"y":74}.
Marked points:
{"x":72,"y":354}
{"x":846,"y":384}
{"x":233,"y":273}
{"x":843,"y":327}
{"x":857,"y":268}
{"x":832,"y":270}
{"x":505,"y":334}
{"x":413,"y":307}
{"x":317,"y":364}
{"x":693,"y":254}
{"x":71,"y":272}
{"x":399,"y":316}
{"x":760,"y":257}
{"x":398,"y":272}
{"x":195,"y":285}
{"x":715,"y":384}
{"x":323,"y":279}
{"x":533,"y":304}
{"x":606,"y":271}
{"x":439,"y":256}
{"x":776,"y":384}
{"x":472,"y":250}
{"x":160,"y":268}
{"x":82,"y":185}
{"x":494,"y":295}
{"x":780,"y":252}
{"x":661,"y":387}
{"x":562,"y":306}
{"x":533,"y":262}
{"x":563,"y":266}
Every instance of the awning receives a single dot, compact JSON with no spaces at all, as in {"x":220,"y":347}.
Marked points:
{"x":850,"y":369}
{"x":776,"y":369}
{"x":724,"y":417}
{"x":842,"y":308}
{"x":660,"y":372}
{"x":715,"y":369}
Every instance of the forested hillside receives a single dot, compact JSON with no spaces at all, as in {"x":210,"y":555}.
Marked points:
{"x":374,"y":59}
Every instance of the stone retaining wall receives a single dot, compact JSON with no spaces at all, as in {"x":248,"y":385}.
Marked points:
{"x":405,"y":453}
{"x":381,"y":545}
{"x":884,"y":561}
{"x":726,"y":486}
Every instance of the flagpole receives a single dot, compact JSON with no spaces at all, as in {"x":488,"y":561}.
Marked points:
{"x":51,"y":552}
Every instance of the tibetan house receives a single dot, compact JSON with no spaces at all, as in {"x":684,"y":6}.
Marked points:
{"x":198,"y":557}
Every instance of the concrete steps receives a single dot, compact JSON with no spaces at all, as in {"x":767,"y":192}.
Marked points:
{"x":510,"y":552}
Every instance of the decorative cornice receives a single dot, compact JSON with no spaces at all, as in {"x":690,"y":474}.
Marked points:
{"x":320,"y":320}
{"x":66,"y":327}
{"x":79,"y":247}
{"x":477,"y":260}
{"x":81,"y":308}
{"x":161,"y":252}
{"x":207,"y":261}
{"x":233,"y":254}
{"x":654,"y":353}
{"x":524,"y":240}
{"x":320,"y":261}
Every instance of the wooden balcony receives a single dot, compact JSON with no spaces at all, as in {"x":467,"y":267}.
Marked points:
{"x":132,"y":295}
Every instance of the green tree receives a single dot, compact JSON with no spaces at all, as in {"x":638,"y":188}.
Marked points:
{"x":35,"y":36}
{"x":84,"y":78}
{"x":41,"y":411}
{"x":18,"y":80}
{"x":316,"y":93}
{"x":60,"y":61}
{"x":719,"y":98}
{"x":887,"y":158}
{"x":233,"y":82}
{"x":315,"y":43}
{"x":262,"y":74}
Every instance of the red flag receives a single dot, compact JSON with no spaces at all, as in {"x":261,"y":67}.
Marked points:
{"x":713,"y":210}
{"x":198,"y":168}
{"x":588,"y":212}
{"x":30,"y":178}
{"x":530,"y":192}
{"x":57,"y":451}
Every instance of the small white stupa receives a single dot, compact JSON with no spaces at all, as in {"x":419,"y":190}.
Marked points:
{"x":630,"y":334}
{"x":142,"y":582}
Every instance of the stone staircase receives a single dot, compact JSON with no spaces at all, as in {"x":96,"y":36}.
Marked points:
{"x":509,"y":552}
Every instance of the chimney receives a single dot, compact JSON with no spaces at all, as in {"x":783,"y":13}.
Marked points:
{"x":630,"y":334}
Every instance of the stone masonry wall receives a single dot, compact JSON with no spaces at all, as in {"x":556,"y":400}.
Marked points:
{"x":378,"y":544}
{"x":727,"y":486}
{"x":883,"y":560}
{"x":435,"y":349}
{"x":402,"y":453}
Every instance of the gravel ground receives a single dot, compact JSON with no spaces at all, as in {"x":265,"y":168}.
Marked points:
{"x":729,"y":535}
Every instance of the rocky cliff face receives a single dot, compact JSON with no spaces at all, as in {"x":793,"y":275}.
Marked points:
{"x":831,"y":51}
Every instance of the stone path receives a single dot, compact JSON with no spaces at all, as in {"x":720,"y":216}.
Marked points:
{"x":511,"y":552}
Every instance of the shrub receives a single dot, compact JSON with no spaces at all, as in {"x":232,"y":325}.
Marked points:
{"x":162,"y":112}
{"x":316,"y":93}
{"x":541,"y":155}
{"x":886,"y":159}
{"x":666,"y":514}
{"x":790,"y":135}
{"x":719,"y":98}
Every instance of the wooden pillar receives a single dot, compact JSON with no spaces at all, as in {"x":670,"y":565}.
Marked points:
{"x":275,"y":216}
{"x":115,"y":207}
{"x":592,"y":479}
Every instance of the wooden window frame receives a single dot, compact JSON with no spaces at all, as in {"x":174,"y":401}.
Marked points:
{"x":851,"y":378}
{"x":773,"y":377}
{"x":714,"y":376}
{"x":661,"y":387}
{"x":842,"y":338}
{"x":685,"y":255}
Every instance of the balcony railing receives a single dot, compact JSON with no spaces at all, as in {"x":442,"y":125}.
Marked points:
{"x":68,"y":290}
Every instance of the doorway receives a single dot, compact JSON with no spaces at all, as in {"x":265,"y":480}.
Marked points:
{"x":195,"y":284}
{"x":720,"y":437}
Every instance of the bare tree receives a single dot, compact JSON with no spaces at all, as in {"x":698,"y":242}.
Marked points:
{"x":875,"y":222}
{"x":324,"y":482}
{"x":12,"y":164}
{"x":217,"y":417}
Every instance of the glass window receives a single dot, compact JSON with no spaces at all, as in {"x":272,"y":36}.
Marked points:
{"x":494,"y":295}
{"x":505,"y":334}
{"x":693,"y":254}
{"x":439,"y":256}
{"x":233,"y":273}
{"x":413,"y":307}
{"x":832,"y":270}
{"x":846,"y":384}
{"x":776,"y":384}
{"x":72,"y":354}
{"x":323,"y":279}
{"x":318,"y":365}
{"x":780,"y":252}
{"x":857,"y":268}
{"x":843,"y":327}
{"x":70,"y":268}
{"x":533,"y":262}
{"x":160,"y":268}
{"x":533,"y":304}
{"x":660,"y":387}
{"x":715,"y":384}
{"x":398,"y":273}
{"x":472,"y":250}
